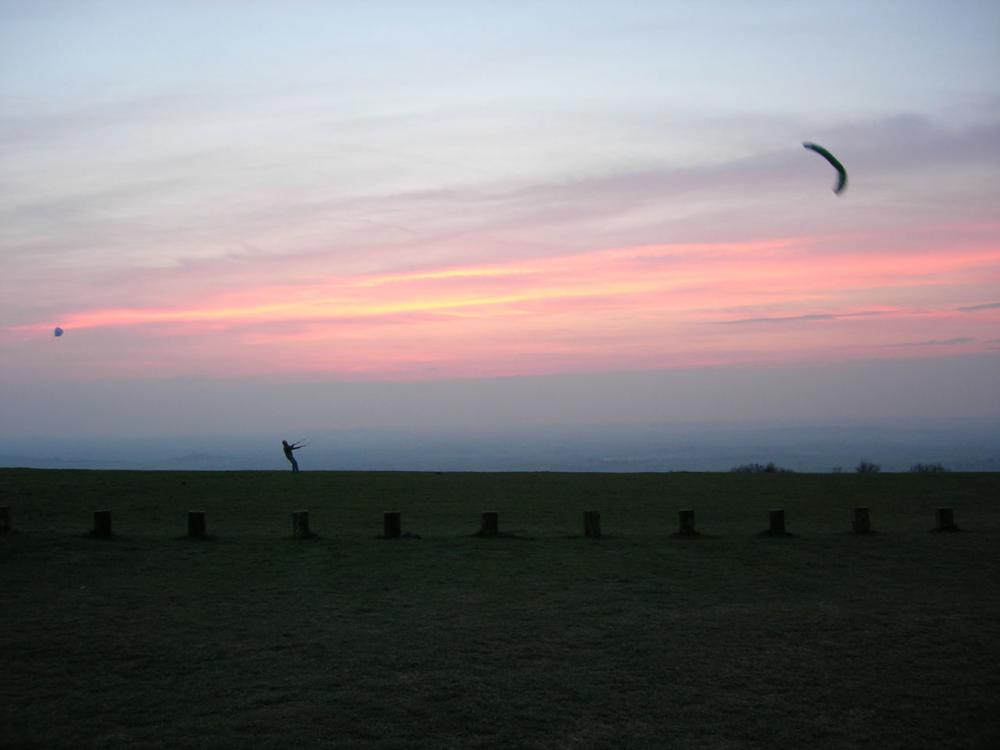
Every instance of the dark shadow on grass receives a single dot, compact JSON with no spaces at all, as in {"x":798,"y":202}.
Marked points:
{"x":405,"y":535}
{"x":688,"y":535}
{"x":197,"y":539}
{"x":948,"y":530}
{"x":310,"y":537}
{"x":504,"y":535}
{"x":777,"y":534}
{"x":104,"y":537}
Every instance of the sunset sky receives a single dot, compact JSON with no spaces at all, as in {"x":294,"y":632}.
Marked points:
{"x":427,"y":198}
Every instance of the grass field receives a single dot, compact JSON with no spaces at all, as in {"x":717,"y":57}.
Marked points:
{"x":539,"y":639}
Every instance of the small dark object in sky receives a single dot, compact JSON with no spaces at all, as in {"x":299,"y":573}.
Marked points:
{"x":841,"y":172}
{"x":57,"y":332}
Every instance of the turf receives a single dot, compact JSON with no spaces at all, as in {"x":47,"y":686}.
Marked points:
{"x":539,"y":638}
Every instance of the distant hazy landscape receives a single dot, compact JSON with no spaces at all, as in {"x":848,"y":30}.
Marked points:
{"x":958,"y":447}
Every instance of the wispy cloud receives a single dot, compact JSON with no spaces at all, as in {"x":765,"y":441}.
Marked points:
{"x":958,"y":341}
{"x":630,"y":307}
{"x":976,"y":308}
{"x":807,"y":317}
{"x":480,"y":222}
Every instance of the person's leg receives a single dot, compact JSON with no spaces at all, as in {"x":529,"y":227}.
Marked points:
{"x":295,"y":464}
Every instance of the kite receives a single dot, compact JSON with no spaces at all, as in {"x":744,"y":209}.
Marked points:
{"x":57,"y":332}
{"x":841,"y":172}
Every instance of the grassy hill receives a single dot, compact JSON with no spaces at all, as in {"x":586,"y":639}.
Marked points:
{"x":538,"y":639}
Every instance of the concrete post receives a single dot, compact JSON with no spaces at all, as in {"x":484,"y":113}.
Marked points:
{"x":490,"y":525}
{"x":862,"y":521}
{"x":946,"y":519}
{"x":392,"y":524}
{"x":686,"y":523}
{"x":102,"y":523}
{"x":197,"y":525}
{"x":776,"y":517}
{"x":300,"y":524}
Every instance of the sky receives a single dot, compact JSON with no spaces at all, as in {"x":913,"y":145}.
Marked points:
{"x":309,"y":215}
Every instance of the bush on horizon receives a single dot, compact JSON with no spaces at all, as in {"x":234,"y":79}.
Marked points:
{"x":754,"y":468}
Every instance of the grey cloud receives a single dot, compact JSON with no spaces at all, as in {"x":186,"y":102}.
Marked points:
{"x":875,"y":149}
{"x":974,"y":308}
{"x":33,"y":129}
{"x":578,"y":212}
{"x":940,"y":342}
{"x":915,"y":141}
{"x":786,"y":319}
{"x":800,"y":318}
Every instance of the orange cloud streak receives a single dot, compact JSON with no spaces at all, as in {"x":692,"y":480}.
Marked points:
{"x":635,"y":306}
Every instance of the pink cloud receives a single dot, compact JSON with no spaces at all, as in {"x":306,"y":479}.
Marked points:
{"x":645,"y":306}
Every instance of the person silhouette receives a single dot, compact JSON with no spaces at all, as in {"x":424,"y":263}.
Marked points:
{"x":288,"y":448}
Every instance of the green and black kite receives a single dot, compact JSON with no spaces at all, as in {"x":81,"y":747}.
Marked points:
{"x":841,"y":172}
